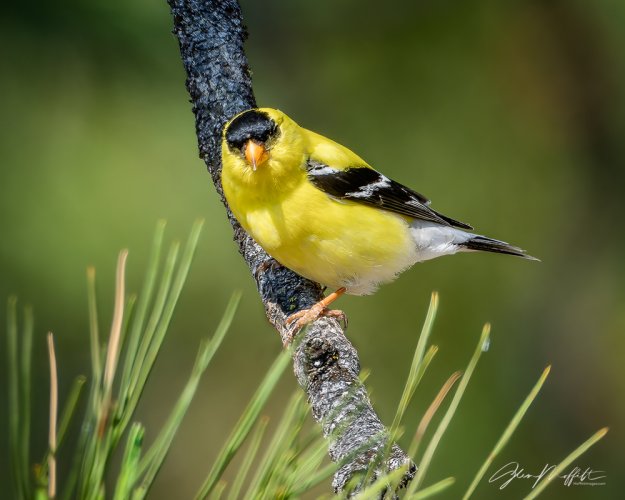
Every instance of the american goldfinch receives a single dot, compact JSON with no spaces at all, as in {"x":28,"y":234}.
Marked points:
{"x":322,"y":211}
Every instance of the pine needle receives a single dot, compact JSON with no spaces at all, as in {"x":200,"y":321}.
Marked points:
{"x":507,"y":433}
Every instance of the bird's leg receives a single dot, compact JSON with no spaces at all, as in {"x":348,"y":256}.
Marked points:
{"x":306,"y":316}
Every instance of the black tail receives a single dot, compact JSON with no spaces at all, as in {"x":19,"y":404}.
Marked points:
{"x":490,"y":245}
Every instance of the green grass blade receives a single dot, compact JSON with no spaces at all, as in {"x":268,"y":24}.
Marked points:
{"x":286,"y":460}
{"x":427,"y":359}
{"x":152,"y":347}
{"x":70,"y":407}
{"x":156,"y":454}
{"x":431,"y":411}
{"x":129,"y":314}
{"x":318,"y":476}
{"x":453,"y":406}
{"x":97,"y":454}
{"x":167,"y":275}
{"x":73,"y":477}
{"x":507,"y":433}
{"x":100,"y":449}
{"x":304,"y":476}
{"x":245,"y":423}
{"x":248,"y":459}
{"x":129,"y":468}
{"x":566,"y":462}
{"x":94,"y":472}
{"x":94,"y":335}
{"x":416,"y":368}
{"x":433,"y":489}
{"x":79,"y":474}
{"x":66,"y":417}
{"x":18,"y":474}
{"x":114,"y":343}
{"x":145,"y":298}
{"x":218,"y":490}
{"x":285,"y":433}
{"x":25,"y":388}
{"x":54,"y":401}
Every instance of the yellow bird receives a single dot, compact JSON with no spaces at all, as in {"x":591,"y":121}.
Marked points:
{"x":322,"y":211}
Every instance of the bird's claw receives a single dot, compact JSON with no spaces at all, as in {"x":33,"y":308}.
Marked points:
{"x":296,"y":321}
{"x":337,"y":314}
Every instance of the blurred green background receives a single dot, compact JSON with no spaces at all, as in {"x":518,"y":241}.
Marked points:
{"x":509,"y":115}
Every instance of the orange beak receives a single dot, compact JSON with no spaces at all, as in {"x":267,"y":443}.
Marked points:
{"x":255,"y":154}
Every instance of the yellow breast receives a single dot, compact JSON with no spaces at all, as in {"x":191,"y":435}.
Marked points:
{"x":332,"y":242}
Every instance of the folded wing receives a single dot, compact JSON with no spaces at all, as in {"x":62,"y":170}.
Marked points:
{"x":365,"y":185}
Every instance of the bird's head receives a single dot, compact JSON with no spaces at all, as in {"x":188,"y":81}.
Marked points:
{"x":251,"y":135}
{"x":265,"y":142}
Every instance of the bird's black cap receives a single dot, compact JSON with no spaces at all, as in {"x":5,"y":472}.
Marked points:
{"x":252,"y":124}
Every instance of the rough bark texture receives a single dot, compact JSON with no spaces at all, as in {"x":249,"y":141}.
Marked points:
{"x":211,"y":36}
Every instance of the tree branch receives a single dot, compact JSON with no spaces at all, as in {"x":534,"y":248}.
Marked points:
{"x":211,"y":36}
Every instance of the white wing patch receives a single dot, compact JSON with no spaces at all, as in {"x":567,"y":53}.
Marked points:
{"x":369,"y":190}
{"x":323,"y":170}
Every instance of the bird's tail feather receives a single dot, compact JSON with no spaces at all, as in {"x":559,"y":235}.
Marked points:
{"x":484,"y":244}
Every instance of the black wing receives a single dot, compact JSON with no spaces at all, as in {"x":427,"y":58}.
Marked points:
{"x":369,"y":187}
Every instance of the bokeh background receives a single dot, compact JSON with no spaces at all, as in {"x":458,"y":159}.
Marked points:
{"x":509,"y":115}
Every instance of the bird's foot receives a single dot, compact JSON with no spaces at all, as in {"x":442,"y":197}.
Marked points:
{"x":298,"y":320}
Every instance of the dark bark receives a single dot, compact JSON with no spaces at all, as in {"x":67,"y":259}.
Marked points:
{"x":211,"y":36}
